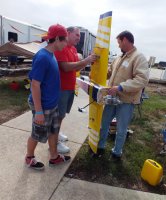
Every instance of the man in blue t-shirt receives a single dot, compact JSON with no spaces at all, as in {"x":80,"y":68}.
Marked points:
{"x":44,"y":97}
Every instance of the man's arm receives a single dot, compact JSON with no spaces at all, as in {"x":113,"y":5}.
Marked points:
{"x":140,"y":75}
{"x":139,"y":80}
{"x":70,"y":66}
{"x":36,"y":95}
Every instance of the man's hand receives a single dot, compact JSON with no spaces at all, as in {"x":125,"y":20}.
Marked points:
{"x":39,"y":119}
{"x":92,"y":58}
{"x":113,"y":90}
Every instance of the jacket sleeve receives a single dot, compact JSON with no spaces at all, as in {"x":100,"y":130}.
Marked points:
{"x":140,"y":75}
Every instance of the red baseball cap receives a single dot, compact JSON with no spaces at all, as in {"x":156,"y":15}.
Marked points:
{"x":54,"y":31}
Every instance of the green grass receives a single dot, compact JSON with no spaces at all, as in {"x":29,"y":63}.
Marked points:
{"x":145,"y":143}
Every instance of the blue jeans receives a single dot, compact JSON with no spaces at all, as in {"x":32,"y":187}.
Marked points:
{"x":123,"y":114}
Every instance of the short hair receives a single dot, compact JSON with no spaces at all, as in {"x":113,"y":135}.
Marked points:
{"x":126,"y":34}
{"x":72,"y":28}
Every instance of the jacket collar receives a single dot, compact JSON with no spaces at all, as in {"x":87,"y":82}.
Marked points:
{"x":129,"y":53}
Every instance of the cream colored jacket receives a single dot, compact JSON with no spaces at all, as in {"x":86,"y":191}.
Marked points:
{"x":131,"y":72}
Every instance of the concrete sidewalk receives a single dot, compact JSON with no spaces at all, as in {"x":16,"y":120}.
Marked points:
{"x":18,"y":182}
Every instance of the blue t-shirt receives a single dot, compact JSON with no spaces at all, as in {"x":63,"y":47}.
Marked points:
{"x":45,"y":70}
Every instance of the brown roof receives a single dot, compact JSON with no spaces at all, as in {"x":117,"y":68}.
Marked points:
{"x":19,"y":49}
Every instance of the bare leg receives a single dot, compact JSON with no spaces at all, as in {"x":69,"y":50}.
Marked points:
{"x":52,"y":141}
{"x":31,"y":145}
{"x":60,"y":122}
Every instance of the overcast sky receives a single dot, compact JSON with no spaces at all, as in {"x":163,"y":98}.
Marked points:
{"x":146,"y":19}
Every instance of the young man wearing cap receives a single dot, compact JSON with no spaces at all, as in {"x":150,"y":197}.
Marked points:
{"x":69,"y":63}
{"x":44,"y":97}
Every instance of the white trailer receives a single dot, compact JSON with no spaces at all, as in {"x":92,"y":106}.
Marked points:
{"x":87,"y":42}
{"x":19,"y":31}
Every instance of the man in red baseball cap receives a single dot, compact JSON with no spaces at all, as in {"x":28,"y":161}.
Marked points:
{"x":44,"y":97}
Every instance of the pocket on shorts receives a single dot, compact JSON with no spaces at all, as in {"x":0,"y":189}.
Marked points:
{"x":39,"y":132}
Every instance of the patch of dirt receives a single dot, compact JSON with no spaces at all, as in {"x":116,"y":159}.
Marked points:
{"x":156,"y":88}
{"x":8,"y":114}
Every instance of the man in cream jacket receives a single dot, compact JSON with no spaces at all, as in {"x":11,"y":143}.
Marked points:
{"x":128,"y":74}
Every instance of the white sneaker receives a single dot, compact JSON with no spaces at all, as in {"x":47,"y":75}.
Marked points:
{"x":61,"y":148}
{"x":62,"y":137}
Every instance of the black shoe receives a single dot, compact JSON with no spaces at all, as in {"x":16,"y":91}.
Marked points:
{"x":99,"y":154}
{"x":33,"y":163}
